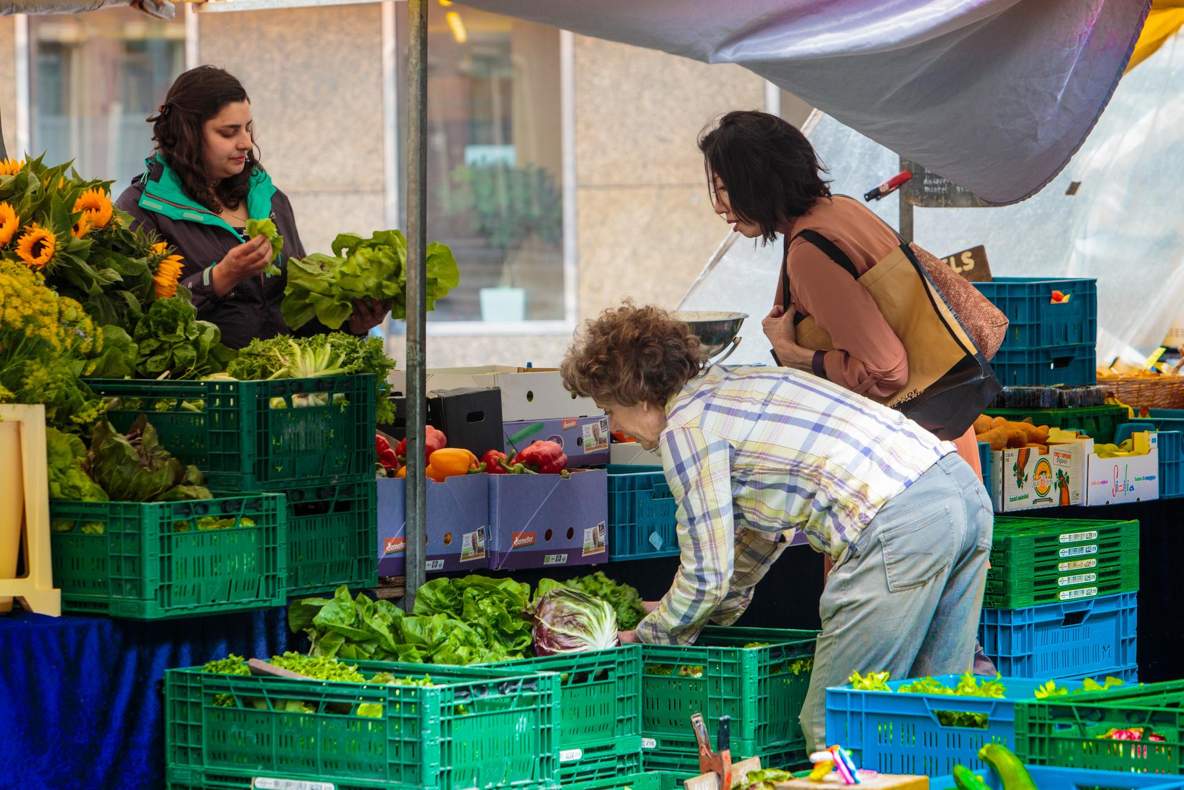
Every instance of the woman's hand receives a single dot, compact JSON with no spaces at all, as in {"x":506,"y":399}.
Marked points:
{"x":241,"y":263}
{"x":368,"y":313}
{"x":783,"y":336}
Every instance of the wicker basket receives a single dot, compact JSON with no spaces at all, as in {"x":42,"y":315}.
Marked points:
{"x":1150,"y":392}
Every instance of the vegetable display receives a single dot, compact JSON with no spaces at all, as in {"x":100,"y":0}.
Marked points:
{"x":325,"y":287}
{"x":267,"y":228}
{"x":763,"y":779}
{"x":625,"y":599}
{"x":66,"y":460}
{"x":543,"y":456}
{"x":567,"y":620}
{"x":466,"y":620}
{"x":172,"y":343}
{"x":136,"y":468}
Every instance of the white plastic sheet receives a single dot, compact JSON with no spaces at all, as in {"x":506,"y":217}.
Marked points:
{"x":993,"y":94}
{"x":1124,"y":225}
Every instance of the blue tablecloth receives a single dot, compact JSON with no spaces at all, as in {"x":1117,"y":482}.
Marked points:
{"x":81,"y":698}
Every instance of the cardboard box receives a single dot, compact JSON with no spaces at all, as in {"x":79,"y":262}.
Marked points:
{"x":1028,"y":479}
{"x":1131,"y":478}
{"x":527,"y":393}
{"x":457,"y":530}
{"x":541,"y":521}
{"x":584,"y":439}
{"x":633,"y":454}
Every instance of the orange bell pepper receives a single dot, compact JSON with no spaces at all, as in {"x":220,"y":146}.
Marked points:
{"x":451,"y":462}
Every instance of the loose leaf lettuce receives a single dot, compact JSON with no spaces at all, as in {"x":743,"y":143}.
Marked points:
{"x":265,"y":227}
{"x":136,"y":468}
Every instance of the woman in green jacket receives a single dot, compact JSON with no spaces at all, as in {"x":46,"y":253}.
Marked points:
{"x":197,"y":192}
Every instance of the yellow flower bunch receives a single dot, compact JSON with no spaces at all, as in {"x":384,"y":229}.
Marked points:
{"x":168,"y":271}
{"x":10,"y":167}
{"x":9,"y":223}
{"x":28,"y":312}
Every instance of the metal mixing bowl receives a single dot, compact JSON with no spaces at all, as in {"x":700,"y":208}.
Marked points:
{"x":715,"y":330}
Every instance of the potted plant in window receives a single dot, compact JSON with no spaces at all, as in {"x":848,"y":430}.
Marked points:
{"x":516,"y":210}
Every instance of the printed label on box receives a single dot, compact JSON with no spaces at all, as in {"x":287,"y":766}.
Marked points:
{"x":395,"y":545}
{"x":554,"y":559}
{"x":472,"y":545}
{"x":570,"y":755}
{"x":524,"y":539}
{"x":596,"y":436}
{"x":434,"y":565}
{"x":649,"y":743}
{"x":1078,"y":551}
{"x":1078,"y":537}
{"x":569,"y":422}
{"x":1077,"y":565}
{"x":1081,"y":578}
{"x":1073,"y":595}
{"x":656,"y":540}
{"x":266,"y":783}
{"x":595,"y":540}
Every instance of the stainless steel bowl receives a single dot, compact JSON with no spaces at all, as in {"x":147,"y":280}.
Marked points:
{"x":715,"y":330}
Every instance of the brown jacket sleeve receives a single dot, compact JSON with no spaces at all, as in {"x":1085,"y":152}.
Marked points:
{"x":868,"y":357}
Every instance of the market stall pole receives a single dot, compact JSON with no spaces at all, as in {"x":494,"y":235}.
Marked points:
{"x":417,"y":66}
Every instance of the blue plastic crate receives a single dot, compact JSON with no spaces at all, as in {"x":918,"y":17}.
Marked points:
{"x":1086,"y":638}
{"x":898,"y":733}
{"x":641,"y":514}
{"x":1045,"y":367}
{"x":1171,"y":452}
{"x":984,"y":460}
{"x":1048,"y":777}
{"x":1035,"y":320}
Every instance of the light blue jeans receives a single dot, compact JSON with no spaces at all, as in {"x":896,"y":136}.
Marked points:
{"x":907,"y":596}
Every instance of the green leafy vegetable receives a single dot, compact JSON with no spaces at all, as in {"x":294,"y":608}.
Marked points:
{"x":763,"y":779}
{"x":567,"y":620}
{"x":66,"y":457}
{"x":331,"y":354}
{"x":494,"y":607}
{"x":265,"y":227}
{"x":325,"y":287}
{"x":117,"y":359}
{"x":625,"y":599}
{"x":872,"y":681}
{"x":136,"y":468}
{"x":173,"y":344}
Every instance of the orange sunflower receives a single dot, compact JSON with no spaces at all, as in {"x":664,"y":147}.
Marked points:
{"x":10,"y":167}
{"x":9,"y":222}
{"x":97,"y":206}
{"x":168,"y":271}
{"x":36,"y":246}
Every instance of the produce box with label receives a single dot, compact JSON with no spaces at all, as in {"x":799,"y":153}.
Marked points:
{"x":546,"y":520}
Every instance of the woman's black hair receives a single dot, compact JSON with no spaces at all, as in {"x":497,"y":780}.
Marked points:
{"x":194,"y":98}
{"x":769,"y":168}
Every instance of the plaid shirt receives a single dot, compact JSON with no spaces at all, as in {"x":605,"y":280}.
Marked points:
{"x":755,"y":456}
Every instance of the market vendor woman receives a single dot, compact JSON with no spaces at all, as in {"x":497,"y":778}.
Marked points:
{"x":199,"y":189}
{"x":754,"y":457}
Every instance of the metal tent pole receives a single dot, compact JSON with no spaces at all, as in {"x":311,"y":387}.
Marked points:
{"x":906,"y":211}
{"x":417,"y":66}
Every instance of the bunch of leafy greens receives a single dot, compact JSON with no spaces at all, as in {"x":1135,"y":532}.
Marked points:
{"x":325,"y":287}
{"x":625,"y":599}
{"x":66,"y":458}
{"x":567,"y":620}
{"x":332,"y":354}
{"x":1051,"y":689}
{"x":763,"y":779}
{"x":494,"y":607}
{"x":265,"y":227}
{"x":117,"y":356}
{"x":362,"y":628}
{"x":173,"y":344}
{"x":136,"y":468}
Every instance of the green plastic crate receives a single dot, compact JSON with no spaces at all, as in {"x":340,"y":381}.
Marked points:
{"x":1098,"y":422}
{"x":761,"y":688}
{"x":600,"y":711}
{"x":257,"y":435}
{"x":150,"y":562}
{"x":332,"y":534}
{"x":1066,"y":732}
{"x":1037,"y":561}
{"x":649,"y":780}
{"x":479,"y":727}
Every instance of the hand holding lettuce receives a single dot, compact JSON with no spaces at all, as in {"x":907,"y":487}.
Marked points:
{"x":267,"y":228}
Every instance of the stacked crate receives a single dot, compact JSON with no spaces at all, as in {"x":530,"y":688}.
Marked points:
{"x":1061,"y":598}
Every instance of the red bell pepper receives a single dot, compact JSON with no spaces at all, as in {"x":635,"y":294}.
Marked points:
{"x":386,"y":456}
{"x":495,"y":462}
{"x":544,"y":457}
{"x":433,"y":440}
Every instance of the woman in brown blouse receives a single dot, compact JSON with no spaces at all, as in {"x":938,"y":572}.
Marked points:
{"x":766,"y":180}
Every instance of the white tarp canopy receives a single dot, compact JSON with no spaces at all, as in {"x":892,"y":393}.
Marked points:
{"x":995,"y":95}
{"x":1123,"y":224}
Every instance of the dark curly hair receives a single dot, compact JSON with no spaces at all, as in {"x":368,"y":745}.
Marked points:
{"x":769,"y":168}
{"x":194,"y":98}
{"x":631,"y":355}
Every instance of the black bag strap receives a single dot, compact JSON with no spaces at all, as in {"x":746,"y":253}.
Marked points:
{"x":828,"y":247}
